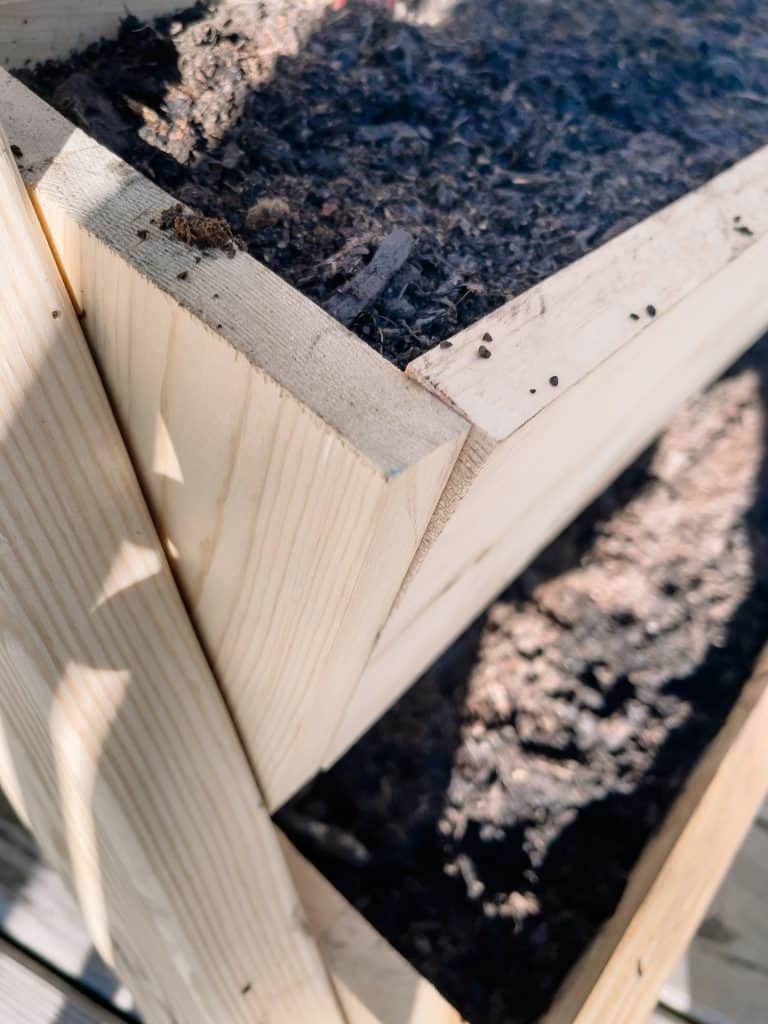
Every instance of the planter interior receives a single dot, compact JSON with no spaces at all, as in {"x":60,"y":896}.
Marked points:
{"x":321,"y":594}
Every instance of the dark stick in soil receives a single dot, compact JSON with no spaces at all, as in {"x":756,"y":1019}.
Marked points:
{"x":368,"y":284}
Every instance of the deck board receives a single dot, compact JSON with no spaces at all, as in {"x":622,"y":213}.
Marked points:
{"x":26,"y":998}
{"x":38,"y":912}
{"x":723,"y":977}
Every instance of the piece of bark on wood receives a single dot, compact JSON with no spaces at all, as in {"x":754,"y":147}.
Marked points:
{"x":370,"y":282}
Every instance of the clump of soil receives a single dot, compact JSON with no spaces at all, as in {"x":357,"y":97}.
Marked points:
{"x":487,"y":825}
{"x":508,"y":138}
{"x":197,"y":230}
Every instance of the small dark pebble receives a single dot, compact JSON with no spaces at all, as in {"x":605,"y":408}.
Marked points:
{"x":634,"y":316}
{"x":55,"y":314}
{"x":143,"y":234}
{"x":215,"y":295}
{"x":737,"y":218}
{"x":744,"y":230}
{"x":532,"y":391}
{"x":554,"y":381}
{"x":650,"y":309}
{"x":487,"y":337}
{"x":246,"y":989}
{"x":183,"y":275}
{"x":446,"y":344}
{"x":483,"y":352}
{"x":219,"y":326}
{"x":16,"y":151}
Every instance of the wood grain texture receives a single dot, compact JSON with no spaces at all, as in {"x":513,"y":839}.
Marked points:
{"x":35,"y":30}
{"x":29,"y":996}
{"x":38,"y":912}
{"x":374,"y":983}
{"x":115,"y":745}
{"x":723,"y":976}
{"x":292,"y":471}
{"x":522,"y":477}
{"x":668,"y":892}
{"x":572,"y":321}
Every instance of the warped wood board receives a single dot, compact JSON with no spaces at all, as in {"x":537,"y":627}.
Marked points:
{"x":35,"y":30}
{"x":532,"y":462}
{"x":116,"y":748}
{"x":618,"y":979}
{"x":291,"y":470}
{"x":723,"y":976}
{"x":374,"y":983}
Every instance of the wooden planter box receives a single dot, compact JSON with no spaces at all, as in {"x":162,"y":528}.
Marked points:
{"x":333,"y":523}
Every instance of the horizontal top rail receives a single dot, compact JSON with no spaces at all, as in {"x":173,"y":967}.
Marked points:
{"x":547,"y":339}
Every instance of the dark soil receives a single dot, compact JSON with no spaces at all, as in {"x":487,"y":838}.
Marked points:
{"x":507,"y":141}
{"x":487,"y":825}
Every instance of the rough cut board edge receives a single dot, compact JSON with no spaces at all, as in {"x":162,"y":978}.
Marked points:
{"x":535,"y":483}
{"x":36,"y":30}
{"x":618,"y":978}
{"x":375,"y":409}
{"x":291,"y":470}
{"x":105,"y":693}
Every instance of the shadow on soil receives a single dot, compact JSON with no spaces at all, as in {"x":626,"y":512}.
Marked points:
{"x":418,"y":881}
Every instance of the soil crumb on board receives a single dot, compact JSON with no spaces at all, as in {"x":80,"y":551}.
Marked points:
{"x":197,"y":230}
{"x":506,"y":138}
{"x":487,"y":825}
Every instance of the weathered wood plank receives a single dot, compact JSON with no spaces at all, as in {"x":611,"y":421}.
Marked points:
{"x":35,"y":30}
{"x":723,"y":976}
{"x":38,"y":912}
{"x":31,"y":995}
{"x":115,"y":744}
{"x":291,"y":470}
{"x":533,"y":462}
{"x":668,"y":893}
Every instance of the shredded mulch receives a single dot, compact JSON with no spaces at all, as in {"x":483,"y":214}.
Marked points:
{"x":487,"y":825}
{"x":507,"y":139}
